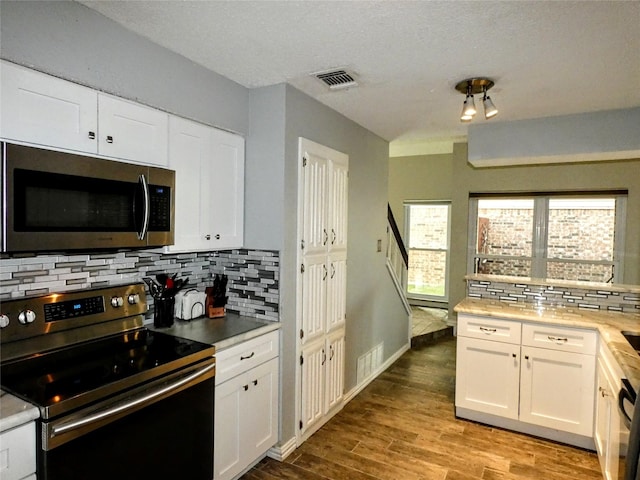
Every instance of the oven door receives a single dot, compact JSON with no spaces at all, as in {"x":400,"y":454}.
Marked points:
{"x":162,"y":430}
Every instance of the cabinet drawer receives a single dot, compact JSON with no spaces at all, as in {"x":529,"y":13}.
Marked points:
{"x":18,"y":452}
{"x":507,"y":331}
{"x":555,"y":337}
{"x":240,"y":358}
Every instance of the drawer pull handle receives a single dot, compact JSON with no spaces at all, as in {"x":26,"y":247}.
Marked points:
{"x":248,"y":356}
{"x":558,"y":340}
{"x":487,"y":330}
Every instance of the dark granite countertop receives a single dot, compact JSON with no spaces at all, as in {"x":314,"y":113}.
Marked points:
{"x":221,"y":332}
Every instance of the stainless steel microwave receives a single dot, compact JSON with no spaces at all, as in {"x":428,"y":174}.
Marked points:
{"x":55,"y":201}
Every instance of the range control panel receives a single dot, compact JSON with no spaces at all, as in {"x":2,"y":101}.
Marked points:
{"x":32,"y":316}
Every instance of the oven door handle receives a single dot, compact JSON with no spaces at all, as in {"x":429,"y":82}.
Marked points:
{"x":130,"y":404}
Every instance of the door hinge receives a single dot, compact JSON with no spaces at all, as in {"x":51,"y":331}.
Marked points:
{"x":301,"y":334}
{"x":302,"y":268}
{"x":304,"y":161}
{"x":301,"y":359}
{"x":302,"y":244}
{"x":300,"y":424}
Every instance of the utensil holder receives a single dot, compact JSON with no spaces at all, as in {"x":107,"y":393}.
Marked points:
{"x":163,"y":311}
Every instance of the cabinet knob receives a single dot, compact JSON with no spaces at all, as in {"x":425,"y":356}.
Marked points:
{"x":513,"y":355}
{"x":109,"y":139}
{"x":92,"y":135}
{"x":207,"y":237}
{"x":217,"y":236}
{"x":246,"y":387}
{"x":526,"y":357}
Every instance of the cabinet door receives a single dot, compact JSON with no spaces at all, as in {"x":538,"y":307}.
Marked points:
{"x":487,"y":376}
{"x":336,"y":290}
{"x":557,"y":390}
{"x":228,"y":444}
{"x":312,"y":384}
{"x":226,"y":190}
{"x":314,"y":294}
{"x":132,"y":132}
{"x":45,"y":110}
{"x":189,"y":156}
{"x":338,"y":202}
{"x":261,"y":413}
{"x":606,"y":425}
{"x":335,"y":371}
{"x":315,"y":235}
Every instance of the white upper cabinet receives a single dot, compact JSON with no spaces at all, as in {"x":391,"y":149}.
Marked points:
{"x":209,"y":166}
{"x":189,"y":156}
{"x":226,"y":190}
{"x":45,"y":110}
{"x":131,"y":131}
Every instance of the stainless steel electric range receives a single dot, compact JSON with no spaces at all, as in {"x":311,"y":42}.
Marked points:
{"x":116,"y":399}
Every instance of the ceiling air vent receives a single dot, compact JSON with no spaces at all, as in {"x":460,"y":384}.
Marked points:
{"x":337,"y":79}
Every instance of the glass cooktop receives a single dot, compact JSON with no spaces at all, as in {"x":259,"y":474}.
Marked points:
{"x":132,"y":357}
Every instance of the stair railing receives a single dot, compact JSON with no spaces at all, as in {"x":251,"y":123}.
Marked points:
{"x":397,"y":258}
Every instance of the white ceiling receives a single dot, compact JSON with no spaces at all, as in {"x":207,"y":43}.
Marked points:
{"x":547,"y":58}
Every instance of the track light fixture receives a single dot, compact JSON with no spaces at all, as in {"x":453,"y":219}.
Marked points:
{"x":471,"y":87}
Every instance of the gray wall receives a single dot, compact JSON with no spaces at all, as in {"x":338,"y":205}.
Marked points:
{"x":419,"y":177}
{"x":374,"y":311}
{"x":69,"y":40}
{"x":604,"y":135}
{"x":454,"y":172}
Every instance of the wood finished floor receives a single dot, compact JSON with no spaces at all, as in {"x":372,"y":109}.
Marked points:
{"x":402,"y":427}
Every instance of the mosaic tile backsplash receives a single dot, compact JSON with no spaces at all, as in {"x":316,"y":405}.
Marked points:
{"x":595,"y":298}
{"x":253,"y":286}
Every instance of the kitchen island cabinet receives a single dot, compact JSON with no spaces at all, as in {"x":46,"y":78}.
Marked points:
{"x":209,"y":166}
{"x":608,"y":426}
{"x":47,"y":111}
{"x":538,"y":379}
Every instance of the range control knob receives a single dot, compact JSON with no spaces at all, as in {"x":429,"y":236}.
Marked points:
{"x":26,"y":316}
{"x":133,"y":299}
{"x":117,"y":302}
{"x":4,"y":320}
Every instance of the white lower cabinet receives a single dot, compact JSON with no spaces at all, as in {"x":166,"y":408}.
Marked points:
{"x":322,"y":364}
{"x":495,"y":393}
{"x":539,"y":375}
{"x":608,"y":430}
{"x":18,"y":453}
{"x":246,"y":405}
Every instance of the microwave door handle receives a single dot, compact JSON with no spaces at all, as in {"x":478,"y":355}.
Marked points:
{"x":144,"y":186}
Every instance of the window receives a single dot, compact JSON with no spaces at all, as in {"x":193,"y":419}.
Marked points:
{"x":565,"y":237}
{"x":427,"y":234}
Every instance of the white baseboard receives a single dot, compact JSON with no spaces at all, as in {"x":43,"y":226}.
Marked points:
{"x":281,"y":451}
{"x":358,"y":388}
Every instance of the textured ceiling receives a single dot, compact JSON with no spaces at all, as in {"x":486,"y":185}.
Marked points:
{"x":547,"y":58}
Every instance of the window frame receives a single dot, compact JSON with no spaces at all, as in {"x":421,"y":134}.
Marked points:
{"x":407,"y":226}
{"x":539,"y":238}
